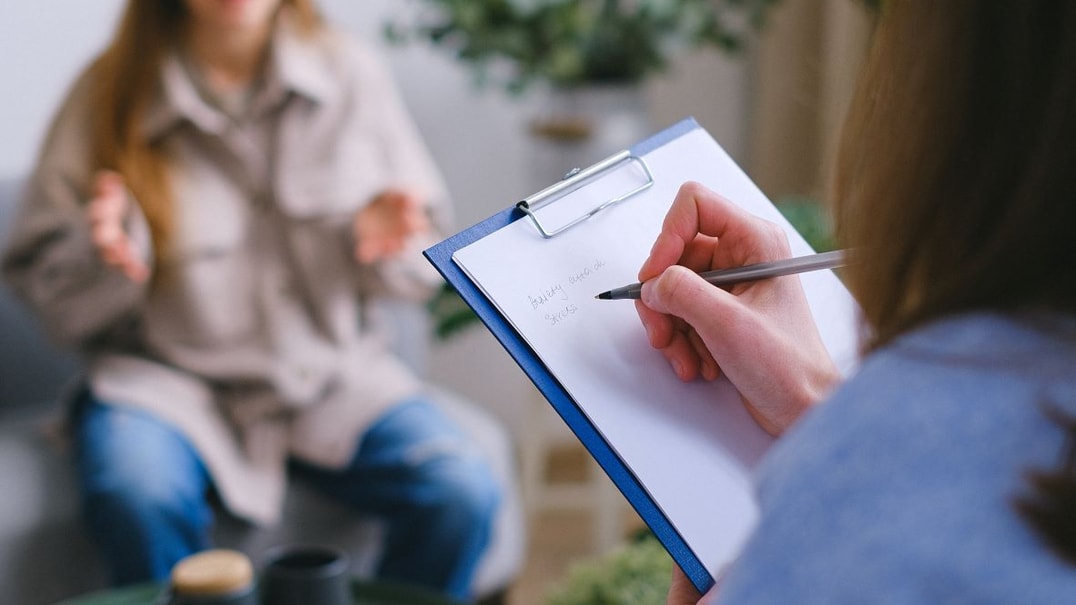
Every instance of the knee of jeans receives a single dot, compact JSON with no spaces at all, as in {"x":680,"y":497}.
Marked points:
{"x":130,"y":456}
{"x":142,"y":494}
{"x":151,"y":483}
{"x":465,"y":486}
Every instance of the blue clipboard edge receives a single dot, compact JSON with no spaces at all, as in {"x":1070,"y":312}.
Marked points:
{"x":440,"y":255}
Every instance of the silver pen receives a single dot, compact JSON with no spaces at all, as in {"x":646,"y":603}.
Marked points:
{"x":724,"y":277}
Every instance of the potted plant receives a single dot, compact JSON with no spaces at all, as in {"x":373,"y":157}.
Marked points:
{"x":572,"y":43}
{"x":590,"y":57}
{"x":637,"y":573}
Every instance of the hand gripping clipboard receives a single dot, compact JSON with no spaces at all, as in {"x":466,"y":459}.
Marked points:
{"x":637,"y":487}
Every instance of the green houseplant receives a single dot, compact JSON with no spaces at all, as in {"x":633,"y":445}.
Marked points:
{"x":638,"y":573}
{"x":568,"y":43}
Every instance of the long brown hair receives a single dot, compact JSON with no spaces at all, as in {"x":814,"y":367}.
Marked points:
{"x":956,"y":182}
{"x":126,"y":77}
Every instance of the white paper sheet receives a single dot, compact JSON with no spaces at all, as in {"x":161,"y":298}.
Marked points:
{"x":691,"y":446}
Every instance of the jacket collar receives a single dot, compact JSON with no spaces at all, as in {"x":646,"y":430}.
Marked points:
{"x":296,"y":66}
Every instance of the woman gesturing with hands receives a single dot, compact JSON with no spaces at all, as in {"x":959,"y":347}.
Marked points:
{"x":381,"y":229}
{"x":760,"y":335}
{"x":222,"y":194}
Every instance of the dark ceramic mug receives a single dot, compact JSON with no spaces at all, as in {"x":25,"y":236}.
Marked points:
{"x":306,"y":575}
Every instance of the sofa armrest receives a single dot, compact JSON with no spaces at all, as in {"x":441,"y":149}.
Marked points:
{"x":33,"y":372}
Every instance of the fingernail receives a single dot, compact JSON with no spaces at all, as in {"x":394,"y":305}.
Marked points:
{"x":678,"y":368}
{"x":646,"y":293}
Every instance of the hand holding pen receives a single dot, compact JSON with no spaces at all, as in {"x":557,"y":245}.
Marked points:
{"x":760,"y":334}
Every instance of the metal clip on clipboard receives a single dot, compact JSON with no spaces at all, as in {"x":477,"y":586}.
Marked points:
{"x":576,"y":179}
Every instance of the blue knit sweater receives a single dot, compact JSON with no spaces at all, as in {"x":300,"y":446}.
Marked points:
{"x":900,"y":488}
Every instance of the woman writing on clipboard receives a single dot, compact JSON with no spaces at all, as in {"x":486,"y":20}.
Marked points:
{"x":943,"y":470}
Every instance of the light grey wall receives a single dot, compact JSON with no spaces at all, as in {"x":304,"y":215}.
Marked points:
{"x":43,"y":45}
{"x":478,"y":137}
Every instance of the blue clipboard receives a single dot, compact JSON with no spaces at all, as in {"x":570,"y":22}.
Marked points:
{"x":440,"y":255}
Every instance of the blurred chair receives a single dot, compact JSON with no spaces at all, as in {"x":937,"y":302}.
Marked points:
{"x":46,"y":556}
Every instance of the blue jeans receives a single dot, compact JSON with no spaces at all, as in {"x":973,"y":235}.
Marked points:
{"x":144,"y":493}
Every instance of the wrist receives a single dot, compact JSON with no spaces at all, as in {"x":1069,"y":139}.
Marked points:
{"x":816,"y":386}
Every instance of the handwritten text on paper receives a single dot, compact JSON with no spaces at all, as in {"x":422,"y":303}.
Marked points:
{"x":554,"y":301}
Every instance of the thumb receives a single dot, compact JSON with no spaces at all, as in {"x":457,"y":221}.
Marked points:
{"x":680,"y":292}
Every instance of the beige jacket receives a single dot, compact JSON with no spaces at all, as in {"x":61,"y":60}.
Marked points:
{"x":253,"y":340}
